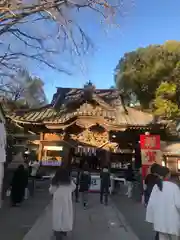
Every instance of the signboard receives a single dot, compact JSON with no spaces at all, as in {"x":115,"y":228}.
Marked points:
{"x":87,"y":151}
{"x":95,"y":183}
{"x":51,"y":163}
{"x":119,"y":165}
{"x":150,"y":149}
{"x":150,"y":142}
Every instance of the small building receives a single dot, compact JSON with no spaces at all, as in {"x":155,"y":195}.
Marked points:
{"x":86,"y":124}
{"x":171,"y":155}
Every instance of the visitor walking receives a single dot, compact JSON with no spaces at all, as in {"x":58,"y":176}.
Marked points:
{"x":62,"y":188}
{"x":129,"y":180}
{"x":18,"y":185}
{"x":105,"y":185}
{"x":34,"y":167}
{"x":77,"y":184}
{"x":150,"y":180}
{"x":85,"y":182}
{"x":163,"y":209}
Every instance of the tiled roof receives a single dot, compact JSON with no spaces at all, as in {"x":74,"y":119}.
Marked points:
{"x":69,"y":104}
{"x":67,"y":95}
{"x":170,"y":147}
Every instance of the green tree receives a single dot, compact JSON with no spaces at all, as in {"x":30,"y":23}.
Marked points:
{"x":25,"y":90}
{"x":141,"y":72}
{"x":165,"y":104}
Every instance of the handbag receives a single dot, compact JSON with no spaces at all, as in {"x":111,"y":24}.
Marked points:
{"x":8,"y":193}
{"x":26,"y":194}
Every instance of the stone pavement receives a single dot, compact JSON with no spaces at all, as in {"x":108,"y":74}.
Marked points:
{"x":134,"y":212}
{"x":16,"y":222}
{"x":96,"y":222}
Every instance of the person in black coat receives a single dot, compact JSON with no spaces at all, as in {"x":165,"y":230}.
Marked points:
{"x":77,"y":184}
{"x":129,"y":180}
{"x":85,"y":182}
{"x":18,"y":185}
{"x":105,"y":184}
{"x":150,"y":180}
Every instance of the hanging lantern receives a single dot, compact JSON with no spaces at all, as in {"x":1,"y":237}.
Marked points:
{"x":163,"y":163}
{"x":178,"y":165}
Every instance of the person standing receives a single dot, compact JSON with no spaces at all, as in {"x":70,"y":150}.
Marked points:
{"x":85,"y":182}
{"x":18,"y":185}
{"x":2,"y":156}
{"x":150,"y":180}
{"x":77,"y":185}
{"x":62,"y":188}
{"x":34,"y":166}
{"x":163,"y":209}
{"x":105,"y":184}
{"x":129,"y":180}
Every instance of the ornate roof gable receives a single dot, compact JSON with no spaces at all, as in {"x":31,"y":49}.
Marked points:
{"x":106,"y":98}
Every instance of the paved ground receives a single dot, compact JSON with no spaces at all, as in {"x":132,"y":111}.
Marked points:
{"x":16,"y":222}
{"x":96,"y":222}
{"x":134,"y":212}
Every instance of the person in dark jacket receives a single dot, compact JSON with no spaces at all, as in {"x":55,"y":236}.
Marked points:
{"x":150,"y":180}
{"x":105,"y":184}
{"x":18,"y":185}
{"x":77,"y":184}
{"x":85,"y":182}
{"x":129,"y":180}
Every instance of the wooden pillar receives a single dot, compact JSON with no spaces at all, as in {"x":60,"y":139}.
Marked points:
{"x":40,"y":146}
{"x":107,"y":157}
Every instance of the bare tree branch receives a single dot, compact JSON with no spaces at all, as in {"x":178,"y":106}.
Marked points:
{"x":18,"y":19}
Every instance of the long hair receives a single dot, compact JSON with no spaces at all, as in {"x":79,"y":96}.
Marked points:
{"x":62,"y":177}
{"x":155,"y":168}
{"x":163,"y":172}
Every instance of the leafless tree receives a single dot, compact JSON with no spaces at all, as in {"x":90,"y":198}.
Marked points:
{"x":40,"y":29}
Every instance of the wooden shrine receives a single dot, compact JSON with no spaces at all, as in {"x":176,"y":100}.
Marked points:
{"x":86,"y":123}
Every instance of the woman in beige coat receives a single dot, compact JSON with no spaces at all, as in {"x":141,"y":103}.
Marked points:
{"x":62,"y":189}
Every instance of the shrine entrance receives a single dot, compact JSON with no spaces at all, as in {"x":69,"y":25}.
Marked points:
{"x":94,"y":157}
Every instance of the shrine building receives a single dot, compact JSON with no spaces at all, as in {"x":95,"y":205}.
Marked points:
{"x":87,"y":123}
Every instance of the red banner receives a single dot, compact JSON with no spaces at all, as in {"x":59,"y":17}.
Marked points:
{"x":150,"y":151}
{"x":151,"y":142}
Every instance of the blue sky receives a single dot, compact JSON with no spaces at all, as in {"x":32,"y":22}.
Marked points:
{"x":146,"y":22}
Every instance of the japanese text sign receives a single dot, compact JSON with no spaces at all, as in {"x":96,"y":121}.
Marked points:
{"x":150,"y":142}
{"x":150,"y":149}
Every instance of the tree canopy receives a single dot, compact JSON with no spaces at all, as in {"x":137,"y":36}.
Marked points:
{"x":146,"y":73}
{"x":24,"y":90}
{"x":165,"y":102}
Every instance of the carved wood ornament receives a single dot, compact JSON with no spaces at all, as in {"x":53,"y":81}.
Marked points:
{"x":53,"y":137}
{"x":88,"y":137}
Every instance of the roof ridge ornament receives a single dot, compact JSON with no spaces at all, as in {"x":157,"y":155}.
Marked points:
{"x":89,"y":89}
